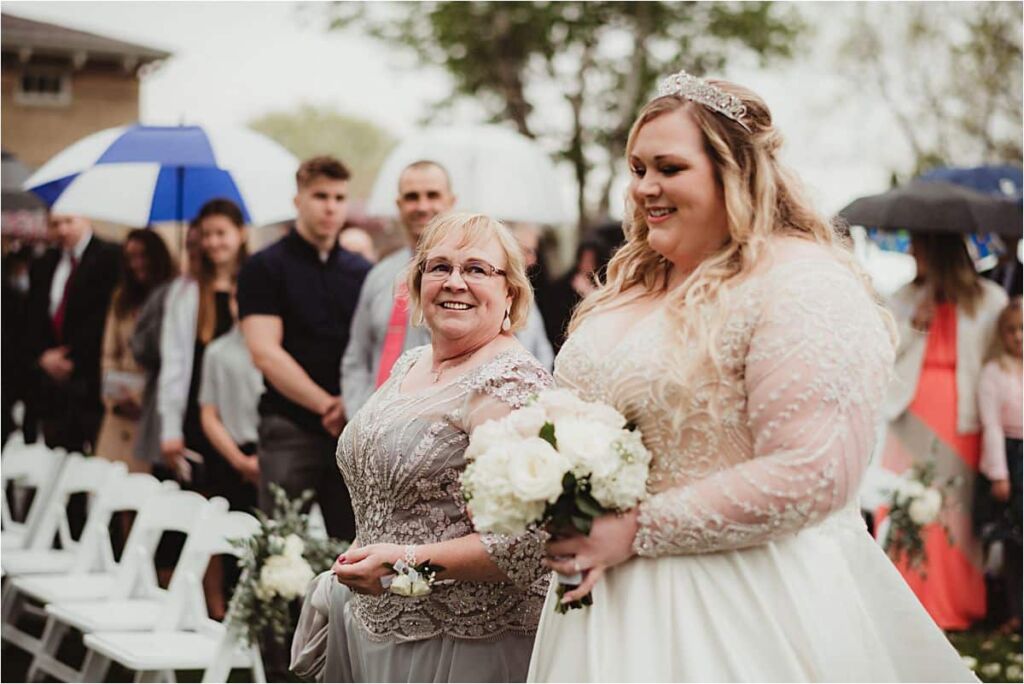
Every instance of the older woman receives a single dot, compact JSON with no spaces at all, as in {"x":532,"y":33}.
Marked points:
{"x":401,"y":457}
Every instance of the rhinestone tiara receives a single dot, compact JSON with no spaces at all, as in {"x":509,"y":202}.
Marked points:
{"x":700,"y":91}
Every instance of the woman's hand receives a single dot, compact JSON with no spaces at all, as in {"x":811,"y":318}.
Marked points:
{"x":1001,"y":490}
{"x":609,"y":543}
{"x":360,"y":568}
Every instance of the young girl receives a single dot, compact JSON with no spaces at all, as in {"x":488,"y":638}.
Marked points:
{"x":999,"y":406}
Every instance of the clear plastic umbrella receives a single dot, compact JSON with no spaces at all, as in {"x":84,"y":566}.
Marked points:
{"x":493,"y":170}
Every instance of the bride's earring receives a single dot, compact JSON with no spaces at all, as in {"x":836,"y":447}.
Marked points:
{"x":506,"y":323}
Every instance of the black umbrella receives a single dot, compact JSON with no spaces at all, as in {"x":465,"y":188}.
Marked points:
{"x":937,"y":207}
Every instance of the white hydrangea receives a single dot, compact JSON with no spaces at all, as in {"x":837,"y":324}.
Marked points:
{"x":491,"y":434}
{"x":627,"y":484}
{"x":285,"y":576}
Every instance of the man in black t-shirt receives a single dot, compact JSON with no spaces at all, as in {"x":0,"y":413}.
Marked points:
{"x":296,"y":299}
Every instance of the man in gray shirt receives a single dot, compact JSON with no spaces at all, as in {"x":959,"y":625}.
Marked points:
{"x":424,"y":191}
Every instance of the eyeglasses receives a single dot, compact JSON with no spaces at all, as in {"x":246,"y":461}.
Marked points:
{"x":474,"y":270}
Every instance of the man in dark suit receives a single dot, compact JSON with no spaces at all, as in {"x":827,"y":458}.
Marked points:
{"x":67,"y":309}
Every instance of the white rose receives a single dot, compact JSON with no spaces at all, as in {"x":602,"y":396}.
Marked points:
{"x":561,"y":403}
{"x":907,"y":490}
{"x":604,"y":414}
{"x":925,"y":508}
{"x":293,"y":546}
{"x":588,"y":446}
{"x":489,"y":435}
{"x":991,"y":670}
{"x":537,"y":470}
{"x":528,"y":421}
{"x":401,"y":585}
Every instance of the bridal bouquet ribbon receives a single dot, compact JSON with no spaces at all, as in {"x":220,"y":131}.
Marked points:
{"x":557,"y":463}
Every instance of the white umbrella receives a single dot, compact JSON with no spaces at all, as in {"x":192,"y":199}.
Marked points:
{"x":493,"y":171}
{"x":138,"y":175}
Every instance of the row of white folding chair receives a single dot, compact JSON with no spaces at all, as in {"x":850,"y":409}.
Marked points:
{"x":91,"y":560}
{"x":27,"y":466}
{"x":184,"y":639}
{"x":79,"y":475}
{"x":133,"y":577}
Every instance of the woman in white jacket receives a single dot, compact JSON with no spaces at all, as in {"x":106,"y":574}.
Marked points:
{"x":946,"y":320}
{"x":198,"y":310}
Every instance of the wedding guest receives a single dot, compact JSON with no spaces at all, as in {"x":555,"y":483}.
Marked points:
{"x":999,"y":408}
{"x":567,"y":292}
{"x":358,"y":241}
{"x":402,"y":455}
{"x":146,"y":265}
{"x":229,"y":394}
{"x":946,"y":319}
{"x":145,"y":346}
{"x":380,"y":326}
{"x":534,"y":336}
{"x":69,"y":296}
{"x":197,"y":311}
{"x":296,"y":299}
{"x":736,"y":330}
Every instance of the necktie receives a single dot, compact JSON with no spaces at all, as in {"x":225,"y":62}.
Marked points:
{"x":395,"y":338}
{"x":58,"y":315}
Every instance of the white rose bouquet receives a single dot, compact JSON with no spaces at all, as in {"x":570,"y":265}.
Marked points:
{"x":558,"y":463}
{"x":277,"y":563}
{"x":915,"y":502}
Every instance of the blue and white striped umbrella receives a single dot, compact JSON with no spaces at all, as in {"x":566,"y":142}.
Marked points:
{"x":139,"y":175}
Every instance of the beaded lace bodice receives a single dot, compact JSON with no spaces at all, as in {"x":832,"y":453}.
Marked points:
{"x":805,"y":361}
{"x":401,"y":456}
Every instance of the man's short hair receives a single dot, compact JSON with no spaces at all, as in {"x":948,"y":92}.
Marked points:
{"x":315,"y":167}
{"x":427,"y":164}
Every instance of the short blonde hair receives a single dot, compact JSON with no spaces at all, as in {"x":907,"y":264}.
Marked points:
{"x":475,"y":229}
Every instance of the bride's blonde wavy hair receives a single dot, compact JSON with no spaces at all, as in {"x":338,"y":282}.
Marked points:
{"x":762,"y":199}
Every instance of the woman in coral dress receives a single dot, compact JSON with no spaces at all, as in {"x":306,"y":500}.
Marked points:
{"x":946,"y":321}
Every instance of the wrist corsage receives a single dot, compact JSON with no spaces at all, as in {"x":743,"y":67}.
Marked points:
{"x":410,"y":578}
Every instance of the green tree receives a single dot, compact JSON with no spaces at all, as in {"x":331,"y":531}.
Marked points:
{"x":310,"y":131}
{"x":949,"y":74}
{"x":573,"y":73}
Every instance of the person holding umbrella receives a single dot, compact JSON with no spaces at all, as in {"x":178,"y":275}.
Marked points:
{"x":947,"y":320}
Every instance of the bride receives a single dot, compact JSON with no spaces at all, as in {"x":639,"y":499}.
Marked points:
{"x":735,"y":329}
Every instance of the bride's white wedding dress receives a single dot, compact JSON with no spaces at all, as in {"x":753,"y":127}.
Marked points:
{"x":754,"y":562}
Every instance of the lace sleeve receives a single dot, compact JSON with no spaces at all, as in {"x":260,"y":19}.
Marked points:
{"x":815,"y":373}
{"x":510,"y":383}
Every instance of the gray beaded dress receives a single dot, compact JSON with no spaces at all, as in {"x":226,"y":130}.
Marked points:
{"x":401,"y":456}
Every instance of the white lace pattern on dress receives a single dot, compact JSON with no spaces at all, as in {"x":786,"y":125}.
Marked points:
{"x":401,"y":457}
{"x":806,"y":358}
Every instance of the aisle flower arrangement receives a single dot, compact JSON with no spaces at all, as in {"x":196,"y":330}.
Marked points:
{"x":916,"y":502}
{"x":277,"y":564}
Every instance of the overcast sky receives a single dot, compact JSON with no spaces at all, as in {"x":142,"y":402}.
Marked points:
{"x":236,"y":60}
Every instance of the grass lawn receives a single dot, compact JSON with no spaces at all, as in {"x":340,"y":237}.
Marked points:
{"x":994,"y":657}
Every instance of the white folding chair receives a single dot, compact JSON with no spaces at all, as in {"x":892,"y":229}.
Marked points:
{"x":183,"y":638}
{"x":134,"y":575}
{"x":27,"y":466}
{"x":94,"y":551}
